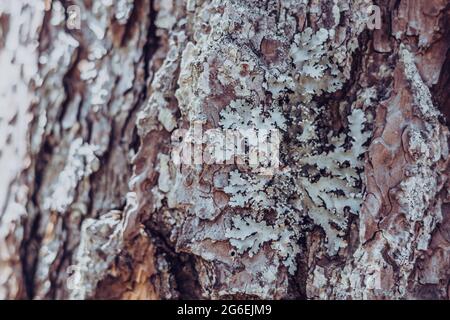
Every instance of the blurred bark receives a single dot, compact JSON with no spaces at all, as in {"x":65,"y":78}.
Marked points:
{"x":92,"y":207}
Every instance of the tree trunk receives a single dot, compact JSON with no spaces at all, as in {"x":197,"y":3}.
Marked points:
{"x":94,"y":206}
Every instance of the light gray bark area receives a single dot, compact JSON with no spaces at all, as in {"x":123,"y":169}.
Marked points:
{"x":359,"y":208}
{"x":86,"y":86}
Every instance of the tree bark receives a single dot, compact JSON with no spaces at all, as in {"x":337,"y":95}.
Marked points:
{"x":93,"y":205}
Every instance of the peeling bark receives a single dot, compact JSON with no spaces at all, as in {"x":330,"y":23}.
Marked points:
{"x":94,"y":207}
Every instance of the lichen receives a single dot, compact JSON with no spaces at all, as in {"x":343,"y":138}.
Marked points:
{"x":81,"y":163}
{"x":222,"y":71}
{"x":315,"y":70}
{"x":332,"y":180}
{"x":248,"y":235}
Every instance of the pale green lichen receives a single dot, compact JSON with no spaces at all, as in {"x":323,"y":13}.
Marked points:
{"x":336,"y":192}
{"x":240,"y":72}
{"x":247,"y":235}
{"x":80,"y":164}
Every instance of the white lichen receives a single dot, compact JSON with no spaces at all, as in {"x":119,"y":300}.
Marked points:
{"x":81,"y":163}
{"x":336,"y":192}
{"x":247,"y":235}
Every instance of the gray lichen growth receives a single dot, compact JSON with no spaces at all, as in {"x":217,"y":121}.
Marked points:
{"x":81,"y":162}
{"x":332,"y":183}
{"x":220,"y":82}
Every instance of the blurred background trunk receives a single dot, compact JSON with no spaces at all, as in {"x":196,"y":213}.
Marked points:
{"x":92,"y":205}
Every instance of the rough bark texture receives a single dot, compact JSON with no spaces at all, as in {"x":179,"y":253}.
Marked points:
{"x":359,"y":208}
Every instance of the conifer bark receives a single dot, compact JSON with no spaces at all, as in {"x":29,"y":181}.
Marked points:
{"x":93,"y":207}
